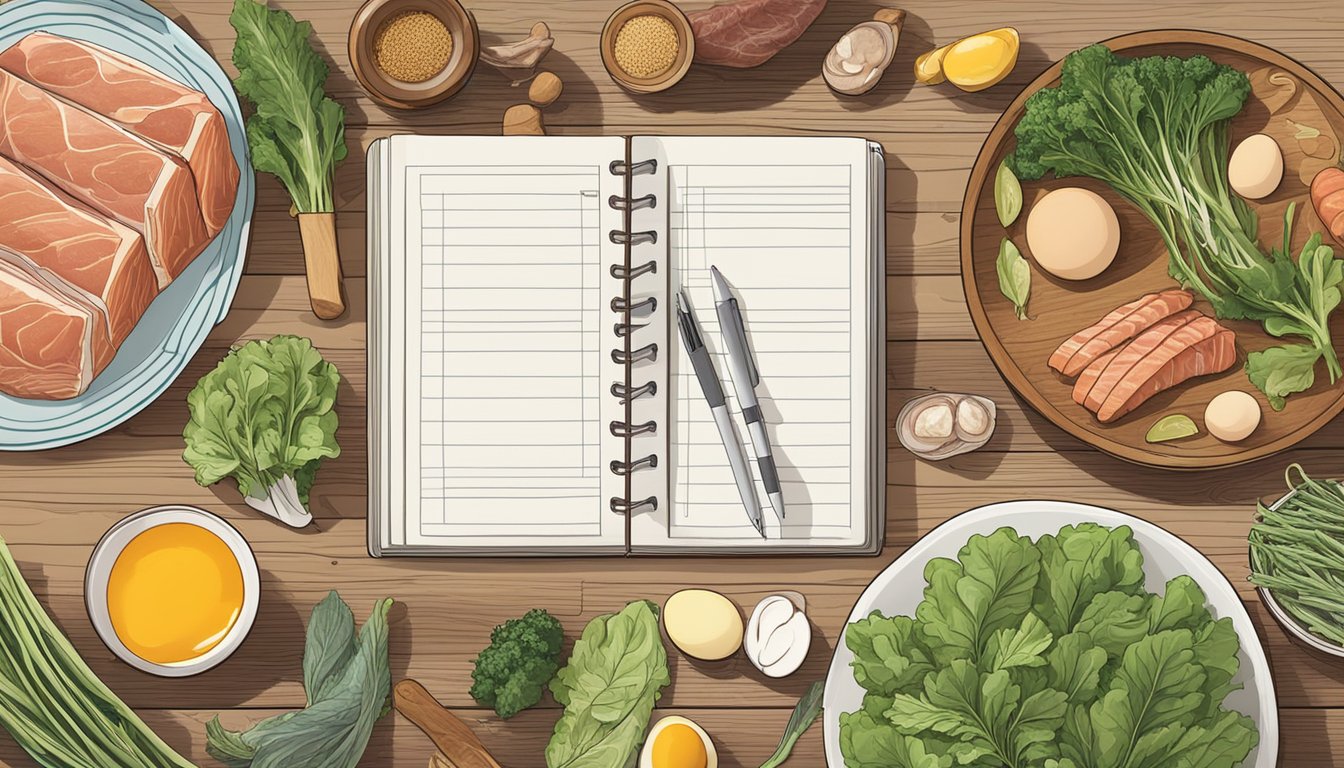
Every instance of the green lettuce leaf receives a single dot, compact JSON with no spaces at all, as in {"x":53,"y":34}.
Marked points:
{"x":871,"y":742}
{"x":988,"y":588}
{"x":1079,"y":563}
{"x":888,"y":655}
{"x":264,"y":413}
{"x":614,"y":676}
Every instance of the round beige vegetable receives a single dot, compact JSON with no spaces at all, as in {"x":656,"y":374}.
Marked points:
{"x":703,"y":624}
{"x":1073,"y":233}
{"x":1232,"y":416}
{"x":778,"y":637}
{"x":1256,"y":167}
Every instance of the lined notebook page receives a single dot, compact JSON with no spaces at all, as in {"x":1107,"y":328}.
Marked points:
{"x":505,"y":333}
{"x":787,"y":223}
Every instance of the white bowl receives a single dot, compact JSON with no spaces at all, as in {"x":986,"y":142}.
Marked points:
{"x":105,"y":555}
{"x":899,"y":588}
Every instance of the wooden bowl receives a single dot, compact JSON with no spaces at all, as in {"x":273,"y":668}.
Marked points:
{"x":685,"y":46}
{"x":1058,"y":308}
{"x":399,"y":93}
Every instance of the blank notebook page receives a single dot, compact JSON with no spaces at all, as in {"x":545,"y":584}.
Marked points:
{"x":786,"y":222}
{"x":505,"y":332}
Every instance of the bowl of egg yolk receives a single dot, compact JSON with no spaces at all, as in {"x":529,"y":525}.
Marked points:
{"x":172,"y":590}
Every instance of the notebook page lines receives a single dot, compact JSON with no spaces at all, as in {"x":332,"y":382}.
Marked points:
{"x":510,"y":347}
{"x":783,"y":235}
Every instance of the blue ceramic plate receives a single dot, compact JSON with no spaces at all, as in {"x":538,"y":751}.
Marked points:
{"x":179,"y":319}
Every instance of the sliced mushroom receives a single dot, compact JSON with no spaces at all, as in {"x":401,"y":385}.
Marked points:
{"x":859,"y":58}
{"x":778,"y":636}
{"x":940,"y":425}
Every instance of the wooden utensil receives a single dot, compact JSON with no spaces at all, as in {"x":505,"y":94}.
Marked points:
{"x":323,"y":264}
{"x":453,"y":737}
{"x":1059,"y":308}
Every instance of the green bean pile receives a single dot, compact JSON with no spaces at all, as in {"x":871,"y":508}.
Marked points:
{"x":1297,"y":552}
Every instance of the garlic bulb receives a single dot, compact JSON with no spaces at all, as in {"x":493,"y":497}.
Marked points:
{"x":941,"y":425}
{"x":778,"y":636}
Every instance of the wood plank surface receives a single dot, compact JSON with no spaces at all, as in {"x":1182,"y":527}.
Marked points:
{"x":54,"y":505}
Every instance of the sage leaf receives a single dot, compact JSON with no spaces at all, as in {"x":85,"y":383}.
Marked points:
{"x":1007,"y":195}
{"x":1014,"y":277}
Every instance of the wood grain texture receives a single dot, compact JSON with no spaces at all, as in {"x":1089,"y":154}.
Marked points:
{"x":55,"y":504}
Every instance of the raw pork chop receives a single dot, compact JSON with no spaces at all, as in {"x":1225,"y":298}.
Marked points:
{"x":107,"y":168}
{"x":52,"y":341}
{"x":1078,"y":352}
{"x":103,"y":258}
{"x":143,"y":102}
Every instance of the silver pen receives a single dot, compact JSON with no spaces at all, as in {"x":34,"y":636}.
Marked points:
{"x":718,"y":406}
{"x":742,"y":368}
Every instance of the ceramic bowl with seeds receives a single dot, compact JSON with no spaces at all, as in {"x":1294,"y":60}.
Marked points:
{"x":413,"y":53}
{"x":647,"y":46}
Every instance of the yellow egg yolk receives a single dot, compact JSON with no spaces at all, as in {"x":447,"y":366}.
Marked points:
{"x":679,"y":746}
{"x":174,"y":592}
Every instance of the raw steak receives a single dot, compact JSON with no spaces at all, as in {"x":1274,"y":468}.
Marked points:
{"x":107,"y":168}
{"x":52,"y":341}
{"x":105,"y":259}
{"x":1158,"y":372}
{"x":1116,"y":328}
{"x":747,"y":33}
{"x":142,"y":101}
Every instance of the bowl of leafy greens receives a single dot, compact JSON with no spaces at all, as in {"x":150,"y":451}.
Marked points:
{"x":1050,"y":633}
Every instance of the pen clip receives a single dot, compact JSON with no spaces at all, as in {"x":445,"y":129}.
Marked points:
{"x":740,"y":329}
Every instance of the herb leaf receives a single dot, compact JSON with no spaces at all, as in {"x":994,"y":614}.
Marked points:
{"x":1282,"y":371}
{"x":1007,"y":195}
{"x":1014,"y":276}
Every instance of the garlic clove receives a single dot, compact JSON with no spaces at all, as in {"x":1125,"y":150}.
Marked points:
{"x":851,"y":67}
{"x":800,"y":632}
{"x":777,"y":643}
{"x":939,"y":426}
{"x":751,"y":639}
{"x":845,"y":48}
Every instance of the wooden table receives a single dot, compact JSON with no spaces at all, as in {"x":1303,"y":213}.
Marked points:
{"x":54,"y":505}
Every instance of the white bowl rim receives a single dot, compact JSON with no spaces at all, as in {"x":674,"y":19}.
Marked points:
{"x":110,"y":546}
{"x":1266,"y":751}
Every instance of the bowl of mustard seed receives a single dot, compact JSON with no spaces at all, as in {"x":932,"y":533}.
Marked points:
{"x":410,"y":54}
{"x":647,"y":46}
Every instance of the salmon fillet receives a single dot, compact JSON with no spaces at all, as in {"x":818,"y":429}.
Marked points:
{"x":52,"y":340}
{"x":1121,"y":325}
{"x":103,"y":166}
{"x":142,"y":101}
{"x":1088,"y":378}
{"x":105,"y":259}
{"x":1214,"y":354}
{"x":1129,"y":356}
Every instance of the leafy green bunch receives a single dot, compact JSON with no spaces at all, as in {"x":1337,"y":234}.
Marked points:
{"x":349,"y":684}
{"x":1156,"y":130}
{"x":297,"y":132}
{"x":523,"y":656}
{"x":265,"y":415}
{"x":1046,"y":655}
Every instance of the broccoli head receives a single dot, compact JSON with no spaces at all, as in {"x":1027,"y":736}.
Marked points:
{"x":522,"y":657}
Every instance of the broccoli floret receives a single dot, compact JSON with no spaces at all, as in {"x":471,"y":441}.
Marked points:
{"x":522,"y":657}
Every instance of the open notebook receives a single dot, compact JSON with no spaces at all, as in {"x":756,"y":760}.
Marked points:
{"x":528,"y":391}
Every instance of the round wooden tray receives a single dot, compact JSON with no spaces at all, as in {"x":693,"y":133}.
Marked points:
{"x":1060,"y":308}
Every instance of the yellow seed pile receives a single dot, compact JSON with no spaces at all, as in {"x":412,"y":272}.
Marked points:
{"x":412,"y":46}
{"x":646,"y":45}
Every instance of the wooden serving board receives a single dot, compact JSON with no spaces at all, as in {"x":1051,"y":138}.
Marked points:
{"x":1283,"y":92}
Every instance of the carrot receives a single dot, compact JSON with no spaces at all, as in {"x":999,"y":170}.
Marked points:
{"x":1327,"y":196}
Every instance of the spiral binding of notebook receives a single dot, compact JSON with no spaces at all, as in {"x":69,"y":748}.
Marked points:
{"x":632,"y":349}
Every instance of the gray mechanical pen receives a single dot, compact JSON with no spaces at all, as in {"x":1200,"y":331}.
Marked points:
{"x":745,"y":376}
{"x":718,"y":406}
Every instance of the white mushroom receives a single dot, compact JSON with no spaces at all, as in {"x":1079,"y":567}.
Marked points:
{"x":859,"y":58}
{"x":777,"y":637}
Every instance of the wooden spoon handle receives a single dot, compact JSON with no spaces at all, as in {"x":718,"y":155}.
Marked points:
{"x":323,"y":264}
{"x":449,"y":733}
